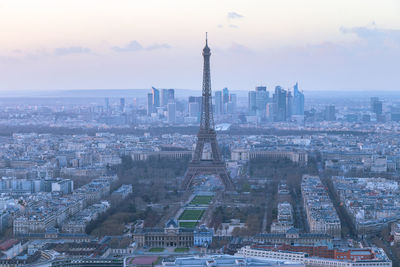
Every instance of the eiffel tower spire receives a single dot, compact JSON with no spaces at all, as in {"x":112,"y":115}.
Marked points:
{"x":207,"y":134}
{"x":207,"y":119}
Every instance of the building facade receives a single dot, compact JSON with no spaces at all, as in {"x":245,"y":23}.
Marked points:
{"x":170,"y":236}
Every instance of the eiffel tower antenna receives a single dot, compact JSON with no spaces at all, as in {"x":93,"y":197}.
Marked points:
{"x":207,"y":135}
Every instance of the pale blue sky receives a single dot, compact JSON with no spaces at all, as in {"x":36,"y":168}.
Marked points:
{"x":88,"y":44}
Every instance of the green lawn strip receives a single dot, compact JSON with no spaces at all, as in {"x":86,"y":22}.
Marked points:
{"x":156,"y":250}
{"x":201,"y":200}
{"x":191,"y":215}
{"x":181,"y":250}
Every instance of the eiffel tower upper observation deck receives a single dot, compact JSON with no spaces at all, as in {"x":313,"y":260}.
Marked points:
{"x":207,"y":135}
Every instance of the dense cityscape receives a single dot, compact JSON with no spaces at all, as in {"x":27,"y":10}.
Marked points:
{"x":315,"y":184}
{"x":295,"y":170}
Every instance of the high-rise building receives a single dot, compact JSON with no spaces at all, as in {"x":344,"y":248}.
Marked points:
{"x":225,"y":100}
{"x":171,"y":112}
{"x":156,"y":98}
{"x":122,"y":104}
{"x":218,"y":103}
{"x":376,"y":105}
{"x":262,"y":97}
{"x":270,"y":111}
{"x":134,"y":102}
{"x":194,"y":109}
{"x":225,"y":95}
{"x":230,"y":108}
{"x":261,"y":89}
{"x":164,"y":97}
{"x":149,"y":104}
{"x":107,"y":102}
{"x":252,"y":105}
{"x":232,"y":104}
{"x":197,"y":99}
{"x":171,"y":96}
{"x":330,"y":113}
{"x":233,"y":98}
{"x":298,"y":101}
{"x":289,"y":105}
{"x":280,"y":104}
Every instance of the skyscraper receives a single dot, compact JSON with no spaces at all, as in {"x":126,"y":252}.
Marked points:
{"x":252,"y":105}
{"x":156,"y":98}
{"x":330,"y":113}
{"x":197,"y":99}
{"x":225,"y":99}
{"x":149,"y":104}
{"x":232,"y":103}
{"x":194,"y":109}
{"x":122,"y":104}
{"x":164,"y":97}
{"x":280,"y":104}
{"x":376,"y":105}
{"x":262,"y":96}
{"x":298,"y":101}
{"x":107,"y":102}
{"x":171,"y":96}
{"x":289,"y":105}
{"x":218,"y":103}
{"x":171,"y":112}
{"x":225,"y":95}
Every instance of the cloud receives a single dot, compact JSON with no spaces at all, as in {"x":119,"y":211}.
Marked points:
{"x":158,"y":46}
{"x":61,"y":51}
{"x":233,"y":26}
{"x":132,"y":46}
{"x":234,"y":15}
{"x":374,"y":36}
{"x":136,"y":46}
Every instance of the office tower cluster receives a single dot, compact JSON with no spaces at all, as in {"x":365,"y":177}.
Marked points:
{"x":224,"y":102}
{"x":162,"y":104}
{"x":282,"y":106}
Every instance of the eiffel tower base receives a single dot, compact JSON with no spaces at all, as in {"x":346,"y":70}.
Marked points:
{"x":207,"y":167}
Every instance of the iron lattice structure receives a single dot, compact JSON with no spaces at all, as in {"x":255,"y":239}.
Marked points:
{"x":207,"y":135}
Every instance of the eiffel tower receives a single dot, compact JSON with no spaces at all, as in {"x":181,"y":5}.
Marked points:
{"x":207,"y":135}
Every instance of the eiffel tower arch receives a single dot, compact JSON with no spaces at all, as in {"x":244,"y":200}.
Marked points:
{"x":207,"y":135}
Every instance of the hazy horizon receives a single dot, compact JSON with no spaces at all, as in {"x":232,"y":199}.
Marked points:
{"x":181,"y":93}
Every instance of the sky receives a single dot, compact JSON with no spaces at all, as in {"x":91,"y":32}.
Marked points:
{"x":128,"y":44}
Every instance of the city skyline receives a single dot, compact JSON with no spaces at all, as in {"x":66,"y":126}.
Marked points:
{"x":260,"y":133}
{"x":323,"y":46}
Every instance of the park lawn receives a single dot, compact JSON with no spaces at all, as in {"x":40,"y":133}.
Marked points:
{"x":188,"y":224}
{"x":156,"y":250}
{"x":181,"y":250}
{"x":194,"y":215}
{"x":201,"y":200}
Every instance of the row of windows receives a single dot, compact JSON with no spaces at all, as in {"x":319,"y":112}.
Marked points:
{"x":168,"y":238}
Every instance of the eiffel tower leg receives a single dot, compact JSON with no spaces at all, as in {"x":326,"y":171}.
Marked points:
{"x":215,"y":151}
{"x":226,"y":180}
{"x":188,"y":180}
{"x":198,"y":153}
